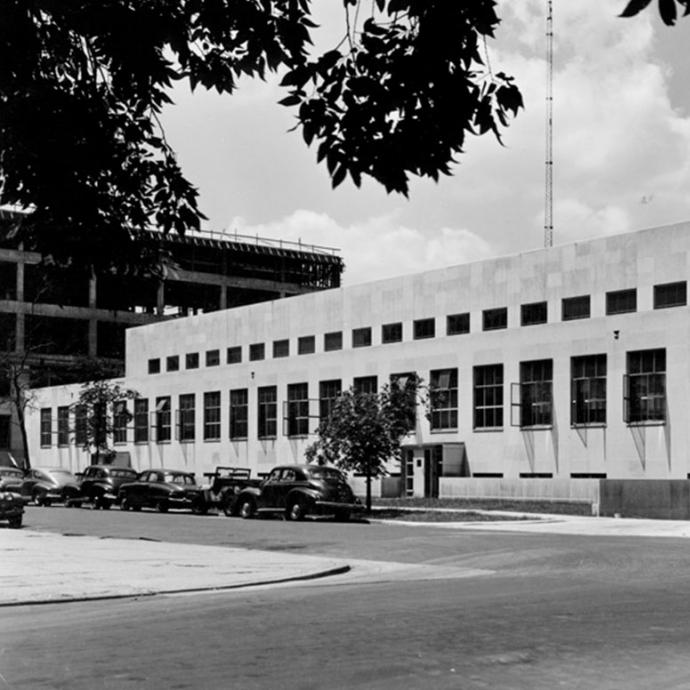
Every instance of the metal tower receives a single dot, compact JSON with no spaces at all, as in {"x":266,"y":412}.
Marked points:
{"x":548,"y":192}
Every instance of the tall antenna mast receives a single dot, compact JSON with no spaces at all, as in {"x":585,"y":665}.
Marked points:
{"x":548,"y":194}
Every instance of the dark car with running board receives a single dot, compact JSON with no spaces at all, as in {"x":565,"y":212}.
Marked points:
{"x":298,"y":491}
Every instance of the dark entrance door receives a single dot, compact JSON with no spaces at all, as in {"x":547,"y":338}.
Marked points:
{"x":433,"y":469}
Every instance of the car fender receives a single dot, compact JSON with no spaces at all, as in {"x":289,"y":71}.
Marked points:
{"x":308,"y":494}
{"x":250,"y":491}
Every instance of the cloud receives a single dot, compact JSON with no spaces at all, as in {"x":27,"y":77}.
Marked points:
{"x":621,"y":149}
{"x":376,"y":248}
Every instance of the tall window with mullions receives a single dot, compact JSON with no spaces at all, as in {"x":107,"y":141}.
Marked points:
{"x":588,"y":390}
{"x":162,"y":419}
{"x":212,"y":416}
{"x":329,"y":392}
{"x":120,"y":420}
{"x":488,"y":396}
{"x":141,"y":419}
{"x":239,"y":413}
{"x":186,"y":421}
{"x":267,"y":411}
{"x":644,"y":398}
{"x":536,"y":393}
{"x":443,"y":396}
{"x":298,"y":409}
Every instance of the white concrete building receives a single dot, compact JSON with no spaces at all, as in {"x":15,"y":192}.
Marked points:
{"x":556,"y":366}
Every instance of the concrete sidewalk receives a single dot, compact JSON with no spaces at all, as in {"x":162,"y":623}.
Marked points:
{"x":537,"y":523}
{"x":42,"y":567}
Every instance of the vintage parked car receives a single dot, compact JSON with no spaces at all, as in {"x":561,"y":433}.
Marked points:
{"x":11,"y":508}
{"x":225,"y":484}
{"x":298,"y":491}
{"x":11,"y":479}
{"x":100,"y":484}
{"x":162,"y":489}
{"x":45,"y":485}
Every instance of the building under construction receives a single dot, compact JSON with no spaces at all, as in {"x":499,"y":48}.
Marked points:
{"x":58,"y":324}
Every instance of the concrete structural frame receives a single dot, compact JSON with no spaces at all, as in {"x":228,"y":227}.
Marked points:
{"x":53,"y":319}
{"x":552,"y":368}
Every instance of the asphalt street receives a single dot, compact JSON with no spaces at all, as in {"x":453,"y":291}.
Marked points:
{"x":548,"y":611}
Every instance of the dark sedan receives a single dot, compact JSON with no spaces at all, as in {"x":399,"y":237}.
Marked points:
{"x":100,"y":484}
{"x":298,"y":491}
{"x":45,"y":485}
{"x":162,"y":490}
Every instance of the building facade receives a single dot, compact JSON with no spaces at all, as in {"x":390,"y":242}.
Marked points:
{"x":559,"y":365}
{"x":54,"y":320}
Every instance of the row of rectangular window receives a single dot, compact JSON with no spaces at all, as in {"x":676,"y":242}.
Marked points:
{"x":531,"y":402}
{"x":572,"y":308}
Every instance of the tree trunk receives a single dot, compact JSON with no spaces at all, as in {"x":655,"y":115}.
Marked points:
{"x":25,"y":437}
{"x":368,"y":474}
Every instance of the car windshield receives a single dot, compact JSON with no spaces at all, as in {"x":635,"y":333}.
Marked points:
{"x":11,"y":473}
{"x":185,"y":479}
{"x":327,"y":473}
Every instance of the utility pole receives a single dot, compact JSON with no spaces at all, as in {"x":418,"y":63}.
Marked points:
{"x":548,"y":192}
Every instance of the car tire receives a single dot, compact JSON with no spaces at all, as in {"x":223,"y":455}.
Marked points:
{"x":229,"y":509}
{"x":39,"y":498}
{"x":15,"y":522}
{"x":247,"y":508}
{"x":162,"y":506}
{"x":297,"y":510}
{"x":200,"y":508}
{"x":343,"y":516}
{"x":105,"y":504}
{"x":125,"y":503}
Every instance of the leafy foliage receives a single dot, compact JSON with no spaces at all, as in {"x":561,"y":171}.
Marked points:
{"x":96,"y":400}
{"x":403,"y":93}
{"x":364,"y":430}
{"x":82,"y":84}
{"x":667,"y":9}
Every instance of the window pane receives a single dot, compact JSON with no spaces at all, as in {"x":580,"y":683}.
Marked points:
{"x":621,"y":301}
{"x":333,"y":341}
{"x":532,"y":314}
{"x":670,"y":295}
{"x":494,"y":319}
{"x":424,"y":328}
{"x":576,"y":308}
{"x":488,"y":396}
{"x":457,"y":324}
{"x":212,"y":416}
{"x":306,"y":345}
{"x":391,"y":333}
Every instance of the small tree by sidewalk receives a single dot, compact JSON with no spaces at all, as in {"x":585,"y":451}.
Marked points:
{"x":364,"y":430}
{"x":99,"y":411}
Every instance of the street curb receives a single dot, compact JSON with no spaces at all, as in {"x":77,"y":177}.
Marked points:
{"x":340,"y":570}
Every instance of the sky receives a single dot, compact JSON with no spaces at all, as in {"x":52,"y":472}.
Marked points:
{"x":621,"y":151}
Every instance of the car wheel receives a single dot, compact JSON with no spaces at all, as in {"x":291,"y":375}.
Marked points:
{"x":39,"y":498}
{"x":199,"y":508}
{"x":105,"y":504}
{"x":228,"y":508}
{"x":342,"y":516}
{"x":125,"y":503}
{"x":15,"y":522}
{"x":162,"y":507}
{"x":247,"y":508}
{"x":297,"y":510}
{"x":95,"y":503}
